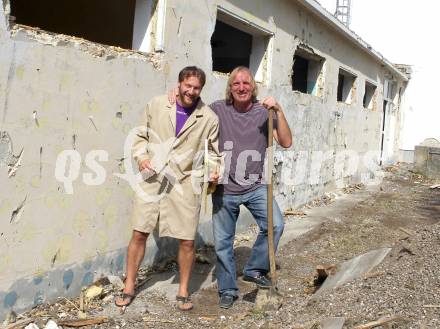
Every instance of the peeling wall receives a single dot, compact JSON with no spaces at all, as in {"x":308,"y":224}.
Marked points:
{"x":63,"y":93}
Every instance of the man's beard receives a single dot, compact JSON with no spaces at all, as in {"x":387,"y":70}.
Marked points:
{"x":182,"y":100}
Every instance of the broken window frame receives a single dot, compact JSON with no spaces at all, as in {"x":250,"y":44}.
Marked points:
{"x":389,"y":90}
{"x":151,"y":40}
{"x":315,"y":78}
{"x":262,"y":43}
{"x":347,"y":96}
{"x":370,"y":93}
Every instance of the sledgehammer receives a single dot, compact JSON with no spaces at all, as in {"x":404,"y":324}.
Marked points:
{"x":269,"y":299}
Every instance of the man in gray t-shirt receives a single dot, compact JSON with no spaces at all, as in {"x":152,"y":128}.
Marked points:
{"x":243,"y":142}
{"x":243,"y":139}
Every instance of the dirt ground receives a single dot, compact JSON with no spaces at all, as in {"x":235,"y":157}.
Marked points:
{"x":403,"y":213}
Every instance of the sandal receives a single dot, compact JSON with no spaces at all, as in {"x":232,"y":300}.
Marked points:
{"x":181,"y":301}
{"x":123,"y":296}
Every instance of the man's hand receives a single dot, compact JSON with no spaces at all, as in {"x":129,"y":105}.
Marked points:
{"x":270,"y":103}
{"x":172,"y":95}
{"x":282,"y":133}
{"x":214,"y":177}
{"x":213,"y":181}
{"x":145,"y":166}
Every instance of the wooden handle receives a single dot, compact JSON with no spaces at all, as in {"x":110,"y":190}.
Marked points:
{"x":270,"y":235}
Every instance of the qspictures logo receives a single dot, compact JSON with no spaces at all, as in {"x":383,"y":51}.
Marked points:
{"x":297,"y":167}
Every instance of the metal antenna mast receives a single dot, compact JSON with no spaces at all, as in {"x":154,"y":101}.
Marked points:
{"x":343,"y":11}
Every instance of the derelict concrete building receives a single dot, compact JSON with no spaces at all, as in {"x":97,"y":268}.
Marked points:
{"x":75,"y":75}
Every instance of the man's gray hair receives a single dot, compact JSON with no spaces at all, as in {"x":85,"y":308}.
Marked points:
{"x":228,"y":96}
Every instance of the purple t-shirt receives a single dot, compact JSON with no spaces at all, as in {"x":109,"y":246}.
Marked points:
{"x":243,"y":139}
{"x":182,"y":114}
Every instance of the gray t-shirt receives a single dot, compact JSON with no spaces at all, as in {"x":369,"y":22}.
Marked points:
{"x":243,"y":140}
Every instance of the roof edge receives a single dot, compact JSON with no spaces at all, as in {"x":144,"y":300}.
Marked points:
{"x":316,"y":8}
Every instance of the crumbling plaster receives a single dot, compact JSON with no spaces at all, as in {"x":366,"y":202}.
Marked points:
{"x":59,"y":92}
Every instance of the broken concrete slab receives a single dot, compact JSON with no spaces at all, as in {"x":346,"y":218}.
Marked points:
{"x":332,"y":323}
{"x":353,"y":269}
{"x":294,"y":229}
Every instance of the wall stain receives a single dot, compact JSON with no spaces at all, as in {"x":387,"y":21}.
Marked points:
{"x":11,"y":75}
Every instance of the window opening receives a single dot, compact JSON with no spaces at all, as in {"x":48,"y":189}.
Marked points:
{"x":345,"y":91}
{"x":236,"y":42}
{"x":306,"y":73}
{"x":125,"y":24}
{"x":369,"y":95}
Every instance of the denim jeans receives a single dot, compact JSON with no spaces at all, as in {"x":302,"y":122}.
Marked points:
{"x":226,"y":209}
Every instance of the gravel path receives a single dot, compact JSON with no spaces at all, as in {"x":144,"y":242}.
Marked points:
{"x":403,"y":214}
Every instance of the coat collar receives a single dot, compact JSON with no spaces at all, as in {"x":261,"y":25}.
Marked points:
{"x":192,"y":120}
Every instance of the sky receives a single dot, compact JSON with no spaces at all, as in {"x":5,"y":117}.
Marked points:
{"x":405,"y":32}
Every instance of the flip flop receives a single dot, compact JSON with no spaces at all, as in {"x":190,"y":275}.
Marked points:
{"x":123,"y":297}
{"x":181,"y":301}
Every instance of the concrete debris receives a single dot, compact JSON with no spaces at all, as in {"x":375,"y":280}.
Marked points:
{"x":51,"y":325}
{"x":116,"y":281}
{"x":351,"y":188}
{"x":20,"y":31}
{"x":327,"y":199}
{"x":435,"y":186}
{"x":18,"y":212}
{"x":93,"y":292}
{"x":353,"y":269}
{"x":202,"y":259}
{"x":332,"y":323}
{"x":31,"y":326}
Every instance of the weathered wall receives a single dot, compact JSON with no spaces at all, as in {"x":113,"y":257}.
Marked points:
{"x":58,"y":93}
{"x":427,"y":159}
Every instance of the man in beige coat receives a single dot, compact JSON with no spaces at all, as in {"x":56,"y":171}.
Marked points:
{"x":169,"y":149}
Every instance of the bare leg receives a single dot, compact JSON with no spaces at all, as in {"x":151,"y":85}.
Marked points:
{"x":186,"y":260}
{"x":135,"y":255}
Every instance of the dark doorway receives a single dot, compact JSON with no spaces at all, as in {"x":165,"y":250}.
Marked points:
{"x":385,"y":103}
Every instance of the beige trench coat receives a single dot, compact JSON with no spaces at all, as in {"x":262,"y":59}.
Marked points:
{"x":171,"y":198}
